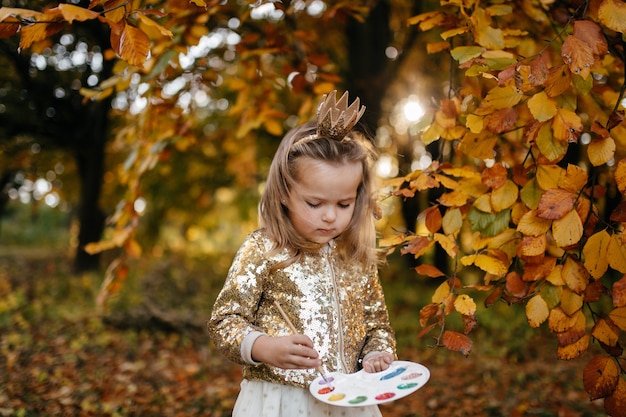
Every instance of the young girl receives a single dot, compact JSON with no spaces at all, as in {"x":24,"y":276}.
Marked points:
{"x":314,"y":258}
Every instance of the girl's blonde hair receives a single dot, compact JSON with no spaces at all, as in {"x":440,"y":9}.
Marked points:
{"x":358,"y":241}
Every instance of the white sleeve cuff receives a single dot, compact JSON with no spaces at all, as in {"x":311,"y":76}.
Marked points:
{"x":246,"y":347}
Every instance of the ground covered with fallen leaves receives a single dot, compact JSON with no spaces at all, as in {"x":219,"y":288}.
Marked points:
{"x":59,"y":357}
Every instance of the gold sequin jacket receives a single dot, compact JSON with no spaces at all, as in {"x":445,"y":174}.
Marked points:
{"x":340,"y":306}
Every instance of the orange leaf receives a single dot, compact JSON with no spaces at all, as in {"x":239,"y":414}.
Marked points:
{"x":457,"y":341}
{"x":429,"y":271}
{"x":433,"y":218}
{"x":600,"y":377}
{"x":615,"y":404}
{"x":501,"y":120}
{"x":71,"y":13}
{"x":574,"y":333}
{"x":578,"y":55}
{"x":494,"y":177}
{"x":594,"y":253}
{"x":417,"y":246}
{"x":566,"y":126}
{"x":531,"y":246}
{"x":515,"y":285}
{"x":618,"y":292}
{"x":574,"y":180}
{"x":427,"y":312}
{"x":591,"y":33}
{"x":559,"y":79}
{"x":555,"y":204}
{"x":130,"y":43}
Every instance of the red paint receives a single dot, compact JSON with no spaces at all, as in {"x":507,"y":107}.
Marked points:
{"x":385,"y":396}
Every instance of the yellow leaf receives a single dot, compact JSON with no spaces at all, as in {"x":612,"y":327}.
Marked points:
{"x":273,"y":127}
{"x":595,"y":253}
{"x":483,"y":203}
{"x":606,"y":333}
{"x":152,"y":26}
{"x":504,"y":197}
{"x":474,"y":123}
{"x":542,"y":107}
{"x":486,"y":263}
{"x":618,"y":316}
{"x":574,"y":180}
{"x":434,"y":47}
{"x":503,"y":97}
{"x":559,"y":322}
{"x":620,"y":176}
{"x":465,"y":53}
{"x":432,"y":133}
{"x":530,"y":194}
{"x":531,"y":225}
{"x":536,"y":311}
{"x":612,"y":14}
{"x":575,"y":275}
{"x":571,"y":302}
{"x":549,"y":176}
{"x":574,"y":350}
{"x":453,"y":199}
{"x":601,"y":151}
{"x":441,"y":293}
{"x":616,"y":254}
{"x":447,"y":243}
{"x":465,"y":305}
{"x":555,"y":276}
{"x":552,"y":148}
{"x":567,"y":230}
{"x":452,"y":221}
{"x":453,"y":32}
{"x":490,"y":38}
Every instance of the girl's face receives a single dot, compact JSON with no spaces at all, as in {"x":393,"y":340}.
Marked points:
{"x":322,"y":201}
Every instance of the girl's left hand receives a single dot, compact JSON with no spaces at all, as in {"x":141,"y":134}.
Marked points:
{"x":378,"y":362}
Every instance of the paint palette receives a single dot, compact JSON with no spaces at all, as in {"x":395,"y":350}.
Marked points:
{"x":363,"y":388}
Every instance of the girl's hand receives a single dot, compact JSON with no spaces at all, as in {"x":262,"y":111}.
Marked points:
{"x":287,"y":352}
{"x":378,"y":362}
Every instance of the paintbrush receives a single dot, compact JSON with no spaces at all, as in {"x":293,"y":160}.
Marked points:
{"x":295,"y":331}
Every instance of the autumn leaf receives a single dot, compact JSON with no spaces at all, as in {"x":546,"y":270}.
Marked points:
{"x":452,"y":221}
{"x":606,"y":332}
{"x":542,"y":107}
{"x":575,"y":275}
{"x":447,"y":243}
{"x":559,"y":322}
{"x":536,"y":311}
{"x":417,"y":245}
{"x":464,"y":53}
{"x":600,"y":377}
{"x":619,"y":292}
{"x":432,"y":218}
{"x":465,"y":305}
{"x":427,"y":312}
{"x":601,"y":151}
{"x":595,"y":253}
{"x":441,"y":293}
{"x":578,"y":55}
{"x":502,"y":198}
{"x":566,"y":126}
{"x":502,"y":97}
{"x":571,"y":302}
{"x":532,"y":246}
{"x":130,"y":43}
{"x":552,"y":148}
{"x":568,"y":229}
{"x":615,"y":404}
{"x":616,"y":254}
{"x":429,"y":270}
{"x":555,"y":204}
{"x":494,"y":177}
{"x":457,"y":342}
{"x":618,"y":316}
{"x":487,"y":263}
{"x":620,"y":176}
{"x":71,"y":13}
{"x":559,"y":79}
{"x":532,"y":225}
{"x":515,"y":285}
{"x":612,"y":14}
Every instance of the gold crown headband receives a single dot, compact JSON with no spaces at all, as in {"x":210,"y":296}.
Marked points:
{"x":335,"y":119}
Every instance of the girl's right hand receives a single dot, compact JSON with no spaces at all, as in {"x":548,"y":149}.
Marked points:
{"x":287,"y":352}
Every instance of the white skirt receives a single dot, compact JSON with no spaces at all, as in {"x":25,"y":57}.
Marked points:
{"x":266,"y":399}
